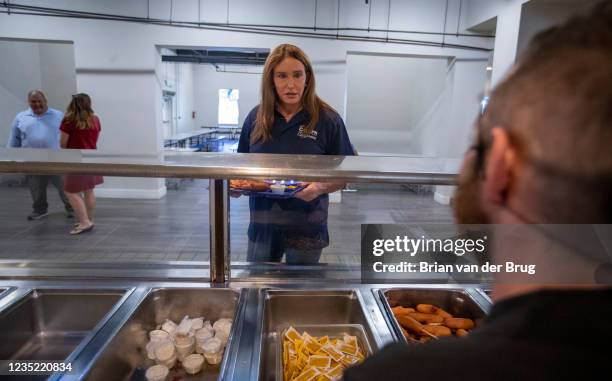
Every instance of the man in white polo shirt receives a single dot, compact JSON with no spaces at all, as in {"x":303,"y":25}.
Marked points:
{"x":38,"y":127}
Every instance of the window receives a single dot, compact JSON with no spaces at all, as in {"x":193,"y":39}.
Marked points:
{"x":228,"y":107}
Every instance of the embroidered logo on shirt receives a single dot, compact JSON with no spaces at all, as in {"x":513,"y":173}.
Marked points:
{"x":302,"y":133}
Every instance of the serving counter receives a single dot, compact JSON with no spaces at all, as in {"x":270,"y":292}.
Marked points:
{"x":97,"y":316}
{"x":109,"y":345}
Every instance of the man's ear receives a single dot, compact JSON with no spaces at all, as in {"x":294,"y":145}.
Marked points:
{"x":499,"y":167}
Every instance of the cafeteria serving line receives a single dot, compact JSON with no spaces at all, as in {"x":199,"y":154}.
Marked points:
{"x":134,"y":312}
{"x":398,"y":203}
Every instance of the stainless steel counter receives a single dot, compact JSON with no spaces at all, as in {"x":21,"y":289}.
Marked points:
{"x":271,"y":297}
{"x":256,"y":315}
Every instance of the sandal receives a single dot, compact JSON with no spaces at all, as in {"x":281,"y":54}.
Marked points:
{"x":81,"y":229}
{"x":76,"y":224}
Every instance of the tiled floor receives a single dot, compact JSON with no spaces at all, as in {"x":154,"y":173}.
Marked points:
{"x":175,"y":228}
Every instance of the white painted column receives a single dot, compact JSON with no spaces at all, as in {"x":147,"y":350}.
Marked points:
{"x":506,"y":39}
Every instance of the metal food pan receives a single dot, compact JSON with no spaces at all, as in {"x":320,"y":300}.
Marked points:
{"x":125,"y":357}
{"x":333,"y":331}
{"x":458,"y":302}
{"x":284,"y":308}
{"x":49,"y":324}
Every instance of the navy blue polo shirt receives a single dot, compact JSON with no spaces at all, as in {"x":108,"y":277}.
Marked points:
{"x":287,"y":221}
{"x":328,"y":138}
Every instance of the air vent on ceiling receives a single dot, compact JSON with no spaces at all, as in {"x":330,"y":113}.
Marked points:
{"x":216,"y":55}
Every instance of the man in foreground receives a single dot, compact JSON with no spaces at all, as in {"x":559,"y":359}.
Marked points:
{"x":542,"y":157}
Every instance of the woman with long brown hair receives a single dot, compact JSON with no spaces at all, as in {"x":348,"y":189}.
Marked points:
{"x":80,"y":130}
{"x":291,"y":119}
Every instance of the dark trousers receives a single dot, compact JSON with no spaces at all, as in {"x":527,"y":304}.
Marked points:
{"x":38,"y":189}
{"x":266,"y":252}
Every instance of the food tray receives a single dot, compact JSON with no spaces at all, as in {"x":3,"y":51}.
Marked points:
{"x":334,"y":331}
{"x":293,"y":188}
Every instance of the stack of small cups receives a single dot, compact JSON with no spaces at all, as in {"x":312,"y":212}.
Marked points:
{"x":179,"y":342}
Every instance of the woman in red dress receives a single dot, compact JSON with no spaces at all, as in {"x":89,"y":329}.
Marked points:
{"x":80,"y":130}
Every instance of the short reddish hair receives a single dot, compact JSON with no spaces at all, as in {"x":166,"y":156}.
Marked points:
{"x":556,"y":105}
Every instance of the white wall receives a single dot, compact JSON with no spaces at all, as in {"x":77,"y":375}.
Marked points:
{"x":331,"y":83}
{"x":432,"y":127}
{"x":125,"y":102}
{"x":506,"y":40}
{"x":20,"y":73}
{"x":481,"y":11}
{"x":387,"y":96}
{"x":504,"y":16}
{"x":131,"y":131}
{"x":517,"y":21}
{"x":538,"y":15}
{"x":29,"y":65}
{"x":468,"y":80}
{"x":58,"y":78}
{"x":185,"y":97}
{"x":457,"y":131}
{"x":116,"y":61}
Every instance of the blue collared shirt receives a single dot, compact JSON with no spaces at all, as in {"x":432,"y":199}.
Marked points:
{"x":36,"y":131}
{"x":279,"y":221}
{"x":328,"y":138}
